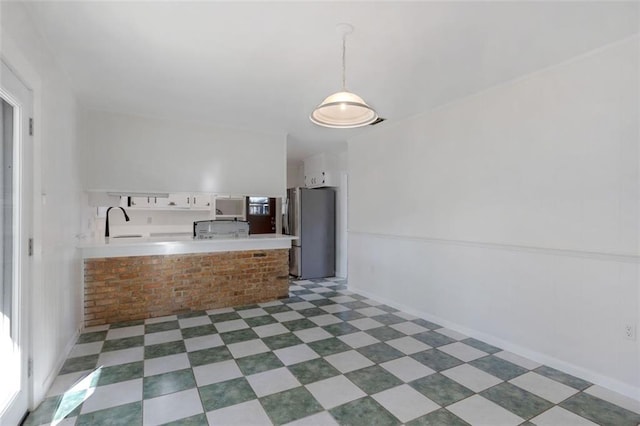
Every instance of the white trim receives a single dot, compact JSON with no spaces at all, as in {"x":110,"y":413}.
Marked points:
{"x":149,"y":246}
{"x":593,"y":377}
{"x":584,"y":254}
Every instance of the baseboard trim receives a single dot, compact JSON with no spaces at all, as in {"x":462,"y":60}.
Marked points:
{"x":575,"y":370}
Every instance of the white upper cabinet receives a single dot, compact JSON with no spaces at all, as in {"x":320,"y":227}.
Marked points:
{"x":319,"y":170}
{"x":176,"y":201}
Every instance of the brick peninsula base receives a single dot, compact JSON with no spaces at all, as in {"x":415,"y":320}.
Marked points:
{"x":138,"y":287}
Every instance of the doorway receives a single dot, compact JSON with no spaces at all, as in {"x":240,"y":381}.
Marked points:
{"x":261,"y":215}
{"x":15,"y":246}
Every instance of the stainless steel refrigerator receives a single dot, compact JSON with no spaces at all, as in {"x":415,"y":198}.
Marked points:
{"x":311,"y":216}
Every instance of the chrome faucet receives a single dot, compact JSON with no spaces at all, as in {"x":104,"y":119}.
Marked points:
{"x":106,"y":227}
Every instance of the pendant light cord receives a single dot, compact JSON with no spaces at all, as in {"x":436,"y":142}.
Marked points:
{"x":344,"y":62}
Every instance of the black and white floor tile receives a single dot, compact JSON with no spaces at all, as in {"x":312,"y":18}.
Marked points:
{"x":324,"y":356}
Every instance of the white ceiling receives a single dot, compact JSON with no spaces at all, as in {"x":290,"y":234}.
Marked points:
{"x":265,"y":65}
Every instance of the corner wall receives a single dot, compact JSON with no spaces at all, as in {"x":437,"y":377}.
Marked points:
{"x":512,"y":215}
{"x":55,"y":290}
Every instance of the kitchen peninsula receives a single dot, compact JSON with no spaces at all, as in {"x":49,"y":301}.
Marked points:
{"x":129,"y":279}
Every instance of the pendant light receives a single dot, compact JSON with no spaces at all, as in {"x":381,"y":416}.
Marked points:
{"x":343,"y":109}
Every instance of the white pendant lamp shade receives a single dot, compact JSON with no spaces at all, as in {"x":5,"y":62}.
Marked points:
{"x":343,"y":110}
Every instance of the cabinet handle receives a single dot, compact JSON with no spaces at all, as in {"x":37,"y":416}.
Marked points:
{"x":187,"y":200}
{"x":194,"y":200}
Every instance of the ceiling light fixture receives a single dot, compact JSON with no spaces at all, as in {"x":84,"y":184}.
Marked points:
{"x":343,"y":110}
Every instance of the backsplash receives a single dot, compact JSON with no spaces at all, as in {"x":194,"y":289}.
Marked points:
{"x":146,"y":222}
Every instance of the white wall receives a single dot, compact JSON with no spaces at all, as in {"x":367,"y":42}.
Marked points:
{"x":56,"y":288}
{"x":513,"y":215}
{"x":295,"y":175}
{"x":133,"y":153}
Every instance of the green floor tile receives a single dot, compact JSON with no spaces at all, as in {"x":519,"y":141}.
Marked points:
{"x":290,"y":405}
{"x":373,"y":379}
{"x":349,"y":315}
{"x":261,"y":320}
{"x":192,"y":314}
{"x":389,"y":309}
{"x":439,"y":417}
{"x":322,"y":302}
{"x":436,"y":360}
{"x":121,"y":373}
{"x":209,"y":356}
{"x":246,"y":307}
{"x":96,"y":336}
{"x":602,"y":412}
{"x":166,"y":383}
{"x":277,"y":309}
{"x":433,"y":339}
{"x":427,"y":324}
{"x":197,"y":331}
{"x":238,"y":336}
{"x":340,"y":329}
{"x":499,"y":367}
{"x":313,"y":371}
{"x":56,"y":408}
{"x":119,"y":344}
{"x":561,"y":377}
{"x":329,"y":346}
{"x":312,"y":312}
{"x":227,"y":316}
{"x":441,"y":389}
{"x":164,"y":349}
{"x":81,"y":363}
{"x":356,"y":305}
{"x":363,"y":412}
{"x":161,"y":326}
{"x":126,"y":324}
{"x":485,"y":347}
{"x":122,"y":415}
{"x":197,"y":420}
{"x":258,"y":363}
{"x":388,"y":319}
{"x":224,"y":394}
{"x":299,"y":324}
{"x":385,"y":333}
{"x":517,"y":400}
{"x":281,"y":341}
{"x":380,"y":352}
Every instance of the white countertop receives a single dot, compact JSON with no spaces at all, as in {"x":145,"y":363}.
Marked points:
{"x":179,"y":244}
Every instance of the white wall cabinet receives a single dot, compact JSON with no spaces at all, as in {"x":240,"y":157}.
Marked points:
{"x":319,"y":170}
{"x":146,"y":202}
{"x":181,"y":200}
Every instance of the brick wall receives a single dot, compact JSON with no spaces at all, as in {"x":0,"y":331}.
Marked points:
{"x":131,"y":288}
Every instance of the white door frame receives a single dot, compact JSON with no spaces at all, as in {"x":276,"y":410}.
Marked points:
{"x":15,"y":92}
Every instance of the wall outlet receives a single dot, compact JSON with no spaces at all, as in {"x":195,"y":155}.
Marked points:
{"x":630,"y":332}
{"x":149,"y":220}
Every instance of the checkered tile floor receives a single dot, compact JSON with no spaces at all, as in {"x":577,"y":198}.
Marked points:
{"x":324,"y":356}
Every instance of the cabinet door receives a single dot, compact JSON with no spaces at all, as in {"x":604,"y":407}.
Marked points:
{"x":160,"y":202}
{"x":141,"y":202}
{"x":201,"y":201}
{"x":316,"y":180}
{"x":182,"y":200}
